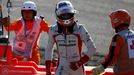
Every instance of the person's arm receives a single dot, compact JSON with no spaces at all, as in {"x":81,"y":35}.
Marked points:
{"x":48,"y":52}
{"x":88,"y":41}
{"x":14,"y":26}
{"x":44,"y":25}
{"x":85,"y":37}
{"x":114,"y":49}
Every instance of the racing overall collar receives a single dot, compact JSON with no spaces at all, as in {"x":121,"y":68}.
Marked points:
{"x":61,"y":29}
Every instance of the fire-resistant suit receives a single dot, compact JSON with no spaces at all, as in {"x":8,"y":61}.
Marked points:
{"x":69,"y":46}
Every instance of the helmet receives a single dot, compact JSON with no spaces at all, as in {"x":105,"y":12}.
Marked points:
{"x":120,"y":17}
{"x":29,"y":5}
{"x":65,"y":12}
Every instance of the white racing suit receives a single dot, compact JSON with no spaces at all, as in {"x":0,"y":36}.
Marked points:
{"x":69,"y":46}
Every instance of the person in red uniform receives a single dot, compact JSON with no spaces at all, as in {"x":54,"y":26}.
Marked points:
{"x":121,"y":50}
{"x":27,"y":31}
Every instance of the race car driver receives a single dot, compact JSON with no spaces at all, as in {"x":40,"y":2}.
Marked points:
{"x":68,"y":36}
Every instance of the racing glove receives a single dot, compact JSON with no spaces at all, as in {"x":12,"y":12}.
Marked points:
{"x":5,"y":21}
{"x":98,"y":70}
{"x":48,"y":67}
{"x":54,"y":62}
{"x":75,"y":65}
